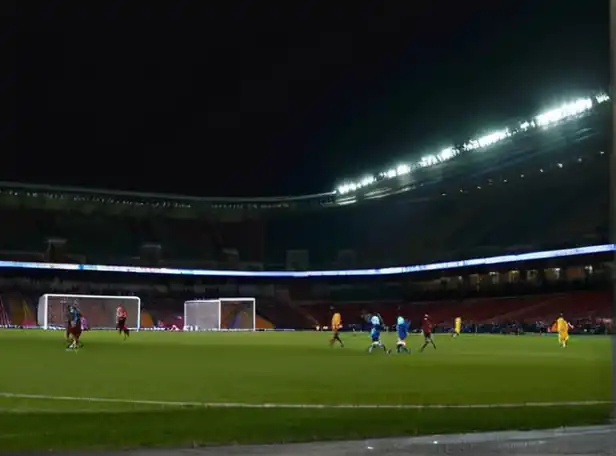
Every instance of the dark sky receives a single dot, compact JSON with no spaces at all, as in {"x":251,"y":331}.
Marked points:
{"x":269,"y":98}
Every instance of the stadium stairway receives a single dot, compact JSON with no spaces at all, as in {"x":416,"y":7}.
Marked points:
{"x":352,"y":311}
{"x":441,"y":312}
{"x":146,"y":320}
{"x":244,"y":320}
{"x":481,"y":310}
{"x":15,"y":309}
{"x":301,"y":310}
{"x":227,"y":316}
{"x":285,"y":296}
{"x":241,"y":320}
{"x":521,"y":309}
{"x":577,"y":305}
{"x":490,"y":310}
{"x":262,"y":323}
{"x":236,"y":317}
{"x":282,"y":316}
{"x":19,"y":310}
{"x":29,"y":313}
{"x":4,"y":316}
{"x":96,"y":316}
{"x":549,"y":307}
{"x":166,"y":310}
{"x":319,"y":313}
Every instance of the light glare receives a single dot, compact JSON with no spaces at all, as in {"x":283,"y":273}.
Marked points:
{"x":546,"y":119}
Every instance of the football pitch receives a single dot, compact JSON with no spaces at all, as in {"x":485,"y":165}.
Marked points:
{"x":185,"y":389}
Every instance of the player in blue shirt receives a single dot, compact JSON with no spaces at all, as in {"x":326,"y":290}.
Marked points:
{"x":375,"y":335}
{"x":402,"y":326}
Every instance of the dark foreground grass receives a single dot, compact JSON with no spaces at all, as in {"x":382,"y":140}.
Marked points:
{"x":285,"y":368}
{"x":185,"y":428}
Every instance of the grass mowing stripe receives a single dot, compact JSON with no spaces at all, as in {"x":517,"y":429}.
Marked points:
{"x":299,"y":406}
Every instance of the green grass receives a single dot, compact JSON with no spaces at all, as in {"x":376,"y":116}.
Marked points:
{"x":285,"y":368}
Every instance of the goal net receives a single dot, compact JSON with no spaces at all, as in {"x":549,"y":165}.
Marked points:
{"x":224,"y":314}
{"x":99,"y":311}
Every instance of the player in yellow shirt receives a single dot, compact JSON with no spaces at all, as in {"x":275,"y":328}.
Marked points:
{"x":562,"y":326}
{"x":457,"y":327}
{"x":336,"y":326}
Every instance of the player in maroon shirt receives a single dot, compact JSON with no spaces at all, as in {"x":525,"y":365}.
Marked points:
{"x":121,"y":316}
{"x":426,"y":327}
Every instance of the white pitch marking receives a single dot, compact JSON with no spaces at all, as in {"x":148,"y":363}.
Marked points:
{"x":298,"y":406}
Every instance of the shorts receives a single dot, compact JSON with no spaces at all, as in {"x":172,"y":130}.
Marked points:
{"x":75,"y":329}
{"x":428,"y":336}
{"x":121,"y":324}
{"x":376,"y":338}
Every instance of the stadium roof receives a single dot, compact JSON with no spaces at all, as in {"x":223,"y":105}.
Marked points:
{"x":42,"y":188}
{"x":544,"y":120}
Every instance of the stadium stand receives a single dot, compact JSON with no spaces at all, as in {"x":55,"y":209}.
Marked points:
{"x":146,"y":320}
{"x":526,"y":309}
{"x":5,"y":318}
{"x":511,"y":212}
{"x":18,"y":309}
{"x":532,"y":211}
{"x":538,"y":189}
{"x":542,"y":189}
{"x":162,"y":302}
{"x":379,"y":233}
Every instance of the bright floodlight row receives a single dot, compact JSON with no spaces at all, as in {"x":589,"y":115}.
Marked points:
{"x":543,"y":120}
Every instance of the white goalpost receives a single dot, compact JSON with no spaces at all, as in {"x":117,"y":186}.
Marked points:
{"x":223,"y":314}
{"x":98,"y":310}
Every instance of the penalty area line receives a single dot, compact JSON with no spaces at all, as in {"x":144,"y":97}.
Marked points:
{"x":246,"y":405}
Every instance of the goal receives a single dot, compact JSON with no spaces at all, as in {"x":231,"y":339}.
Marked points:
{"x":99,"y":311}
{"x":223,"y":314}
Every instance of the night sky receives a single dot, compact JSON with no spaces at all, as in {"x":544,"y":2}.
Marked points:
{"x":277,"y":98}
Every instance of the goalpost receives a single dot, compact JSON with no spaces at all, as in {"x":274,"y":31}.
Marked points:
{"x":99,"y":311}
{"x":223,"y":314}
